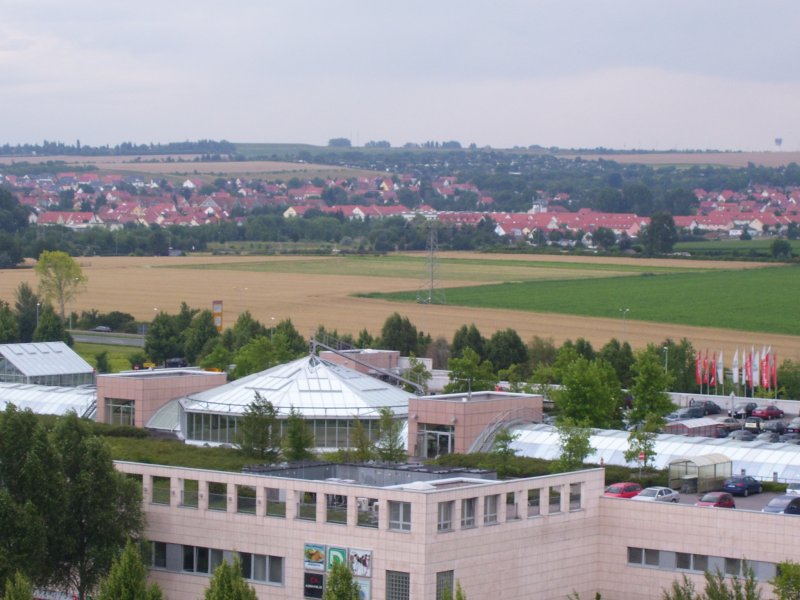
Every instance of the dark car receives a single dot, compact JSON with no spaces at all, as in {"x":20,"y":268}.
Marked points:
{"x":709,"y":407}
{"x":778,"y":427}
{"x":789,"y":438}
{"x":742,"y":410}
{"x":753,"y":424}
{"x":690,"y":412}
{"x":786,"y":505}
{"x":793,"y":426}
{"x":742,"y":485}
{"x":768,"y":436}
{"x":742,"y":435}
{"x":717,"y":499}
{"x":767,"y":412}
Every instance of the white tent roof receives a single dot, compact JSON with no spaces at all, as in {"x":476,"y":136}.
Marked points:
{"x":49,"y":400}
{"x":44,"y":358}
{"x":315,"y":387}
{"x":759,"y":459}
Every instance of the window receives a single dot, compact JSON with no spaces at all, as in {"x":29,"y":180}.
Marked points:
{"x":683,"y":560}
{"x":189,"y":494}
{"x":444,"y":581}
{"x":468,"y":506}
{"x":490,"y":509}
{"x":445,"y":522}
{"x":307,"y":507}
{"x":397,"y":585}
{"x":700,"y":562}
{"x":511,"y":506}
{"x":201,"y":560}
{"x":158,"y":555}
{"x":733,"y":566}
{"x":367,"y":512}
{"x":217,"y":496}
{"x":555,"y":500}
{"x":246,"y":499}
{"x":399,"y":516}
{"x":651,"y":557}
{"x":533,"y":502}
{"x":276,"y":502}
{"x":574,"y":496}
{"x":259,"y":567}
{"x":120,"y":412}
{"x":336,"y":508}
{"x":635,"y":556}
{"x":160,"y":490}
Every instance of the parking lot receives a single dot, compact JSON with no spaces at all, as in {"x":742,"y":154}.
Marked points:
{"x":753,"y":502}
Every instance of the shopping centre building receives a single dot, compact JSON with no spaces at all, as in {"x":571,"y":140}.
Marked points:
{"x":408,"y":532}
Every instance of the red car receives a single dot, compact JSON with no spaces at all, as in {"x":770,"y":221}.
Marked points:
{"x":623,"y":490}
{"x":768,"y":412}
{"x":718,"y":500}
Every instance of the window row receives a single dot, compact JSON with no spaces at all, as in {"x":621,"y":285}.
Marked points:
{"x":491,"y":504}
{"x":196,"y":559}
{"x":700,"y":563}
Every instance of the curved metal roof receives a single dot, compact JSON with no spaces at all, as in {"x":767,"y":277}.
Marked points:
{"x":49,"y":400}
{"x":759,"y":459}
{"x":315,"y":387}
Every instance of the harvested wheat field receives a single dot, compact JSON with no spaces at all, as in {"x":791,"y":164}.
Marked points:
{"x":311,"y":292}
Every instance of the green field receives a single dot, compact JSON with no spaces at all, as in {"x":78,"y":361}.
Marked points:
{"x":117,"y":355}
{"x":733,"y":249}
{"x":454,"y":269}
{"x":749,"y":300}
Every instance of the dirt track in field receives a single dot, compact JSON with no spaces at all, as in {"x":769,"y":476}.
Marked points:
{"x":133,"y":285}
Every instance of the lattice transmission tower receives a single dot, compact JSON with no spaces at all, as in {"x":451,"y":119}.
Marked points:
{"x":429,"y":291}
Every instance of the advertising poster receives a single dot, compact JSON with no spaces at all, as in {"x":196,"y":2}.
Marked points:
{"x":313,"y":585}
{"x":314,"y":557}
{"x":336,"y":555}
{"x":361,"y":562}
{"x":364,"y":588}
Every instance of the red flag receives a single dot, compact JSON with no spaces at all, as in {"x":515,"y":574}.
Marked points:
{"x":698,"y":369}
{"x":748,"y":369}
{"x":713,"y":377}
{"x":765,"y":370}
{"x":705,"y":368}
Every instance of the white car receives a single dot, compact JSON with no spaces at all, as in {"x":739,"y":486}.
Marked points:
{"x":657,"y":494}
{"x":793,"y":489}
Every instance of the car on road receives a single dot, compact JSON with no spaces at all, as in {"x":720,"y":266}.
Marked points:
{"x":742,"y":435}
{"x":768,"y":412}
{"x":717,"y":499}
{"x":742,"y":485}
{"x":625,"y":489}
{"x":742,"y":410}
{"x":101,"y":329}
{"x":657,"y":494}
{"x":785,"y":505}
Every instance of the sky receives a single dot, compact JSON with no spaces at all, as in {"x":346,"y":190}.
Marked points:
{"x":623,"y":74}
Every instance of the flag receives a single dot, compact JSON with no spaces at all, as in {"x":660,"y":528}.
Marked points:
{"x":712,"y":379}
{"x":765,"y":369}
{"x":735,"y":369}
{"x":705,"y":368}
{"x":756,"y":370}
{"x":748,"y":369}
{"x":720,"y":370}
{"x":698,"y":369}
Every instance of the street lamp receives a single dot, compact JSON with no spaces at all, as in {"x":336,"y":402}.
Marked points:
{"x":666,"y":358}
{"x":624,"y":312}
{"x":272,"y":328}
{"x":38,"y":304}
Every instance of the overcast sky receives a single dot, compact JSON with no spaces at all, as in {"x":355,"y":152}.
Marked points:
{"x":653,"y":74}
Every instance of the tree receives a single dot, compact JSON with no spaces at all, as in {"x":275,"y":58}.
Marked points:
{"x":127,"y":579}
{"x":26,"y":308}
{"x":660,"y":235}
{"x":339,"y":143}
{"x":542,"y":351}
{"x":60,"y":278}
{"x":399,"y":334}
{"x":681,"y":364}
{"x":51,"y":328}
{"x":18,"y":588}
{"x":227,"y":583}
{"x":619,"y":356}
{"x":299,"y":439}
{"x":789,"y":378}
{"x":650,"y":382}
{"x":9,"y":330}
{"x":468,"y":337}
{"x":245,"y":329}
{"x":418,"y":374}
{"x":590,"y":394}
{"x":199,"y":334}
{"x":390,"y":437}
{"x":787,"y":581}
{"x":260,"y":431}
{"x":163,"y":339}
{"x":506,"y":348}
{"x":101,"y":362}
{"x":363,"y":447}
{"x":468,"y":373}
{"x":717,"y":587}
{"x":575,"y":443}
{"x":502,"y":443}
{"x":340,"y":584}
{"x":780,"y":249}
{"x":101,"y":507}
{"x":642,"y":441}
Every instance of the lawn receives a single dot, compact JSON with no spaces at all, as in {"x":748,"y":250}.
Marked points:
{"x":176,"y":453}
{"x":117,"y":355}
{"x":749,"y":300}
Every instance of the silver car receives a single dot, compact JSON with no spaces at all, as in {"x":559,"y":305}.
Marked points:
{"x":657,"y":494}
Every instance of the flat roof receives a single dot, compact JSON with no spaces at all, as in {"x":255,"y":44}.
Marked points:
{"x":482,"y":396}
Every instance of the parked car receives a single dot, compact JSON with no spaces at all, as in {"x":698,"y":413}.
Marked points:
{"x":793,"y":426}
{"x":717,"y":499}
{"x":793,"y":489}
{"x":742,"y":485}
{"x":742,"y":410}
{"x":690,"y":412}
{"x":785,"y":505}
{"x":753,"y":424}
{"x":778,"y":426}
{"x":768,"y":412}
{"x":657,"y":494}
{"x":768,"y":436}
{"x":709,"y":407}
{"x":622,"y":490}
{"x":789,"y":438}
{"x":743,"y":435}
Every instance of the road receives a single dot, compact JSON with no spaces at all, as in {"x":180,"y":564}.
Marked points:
{"x":110,"y":339}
